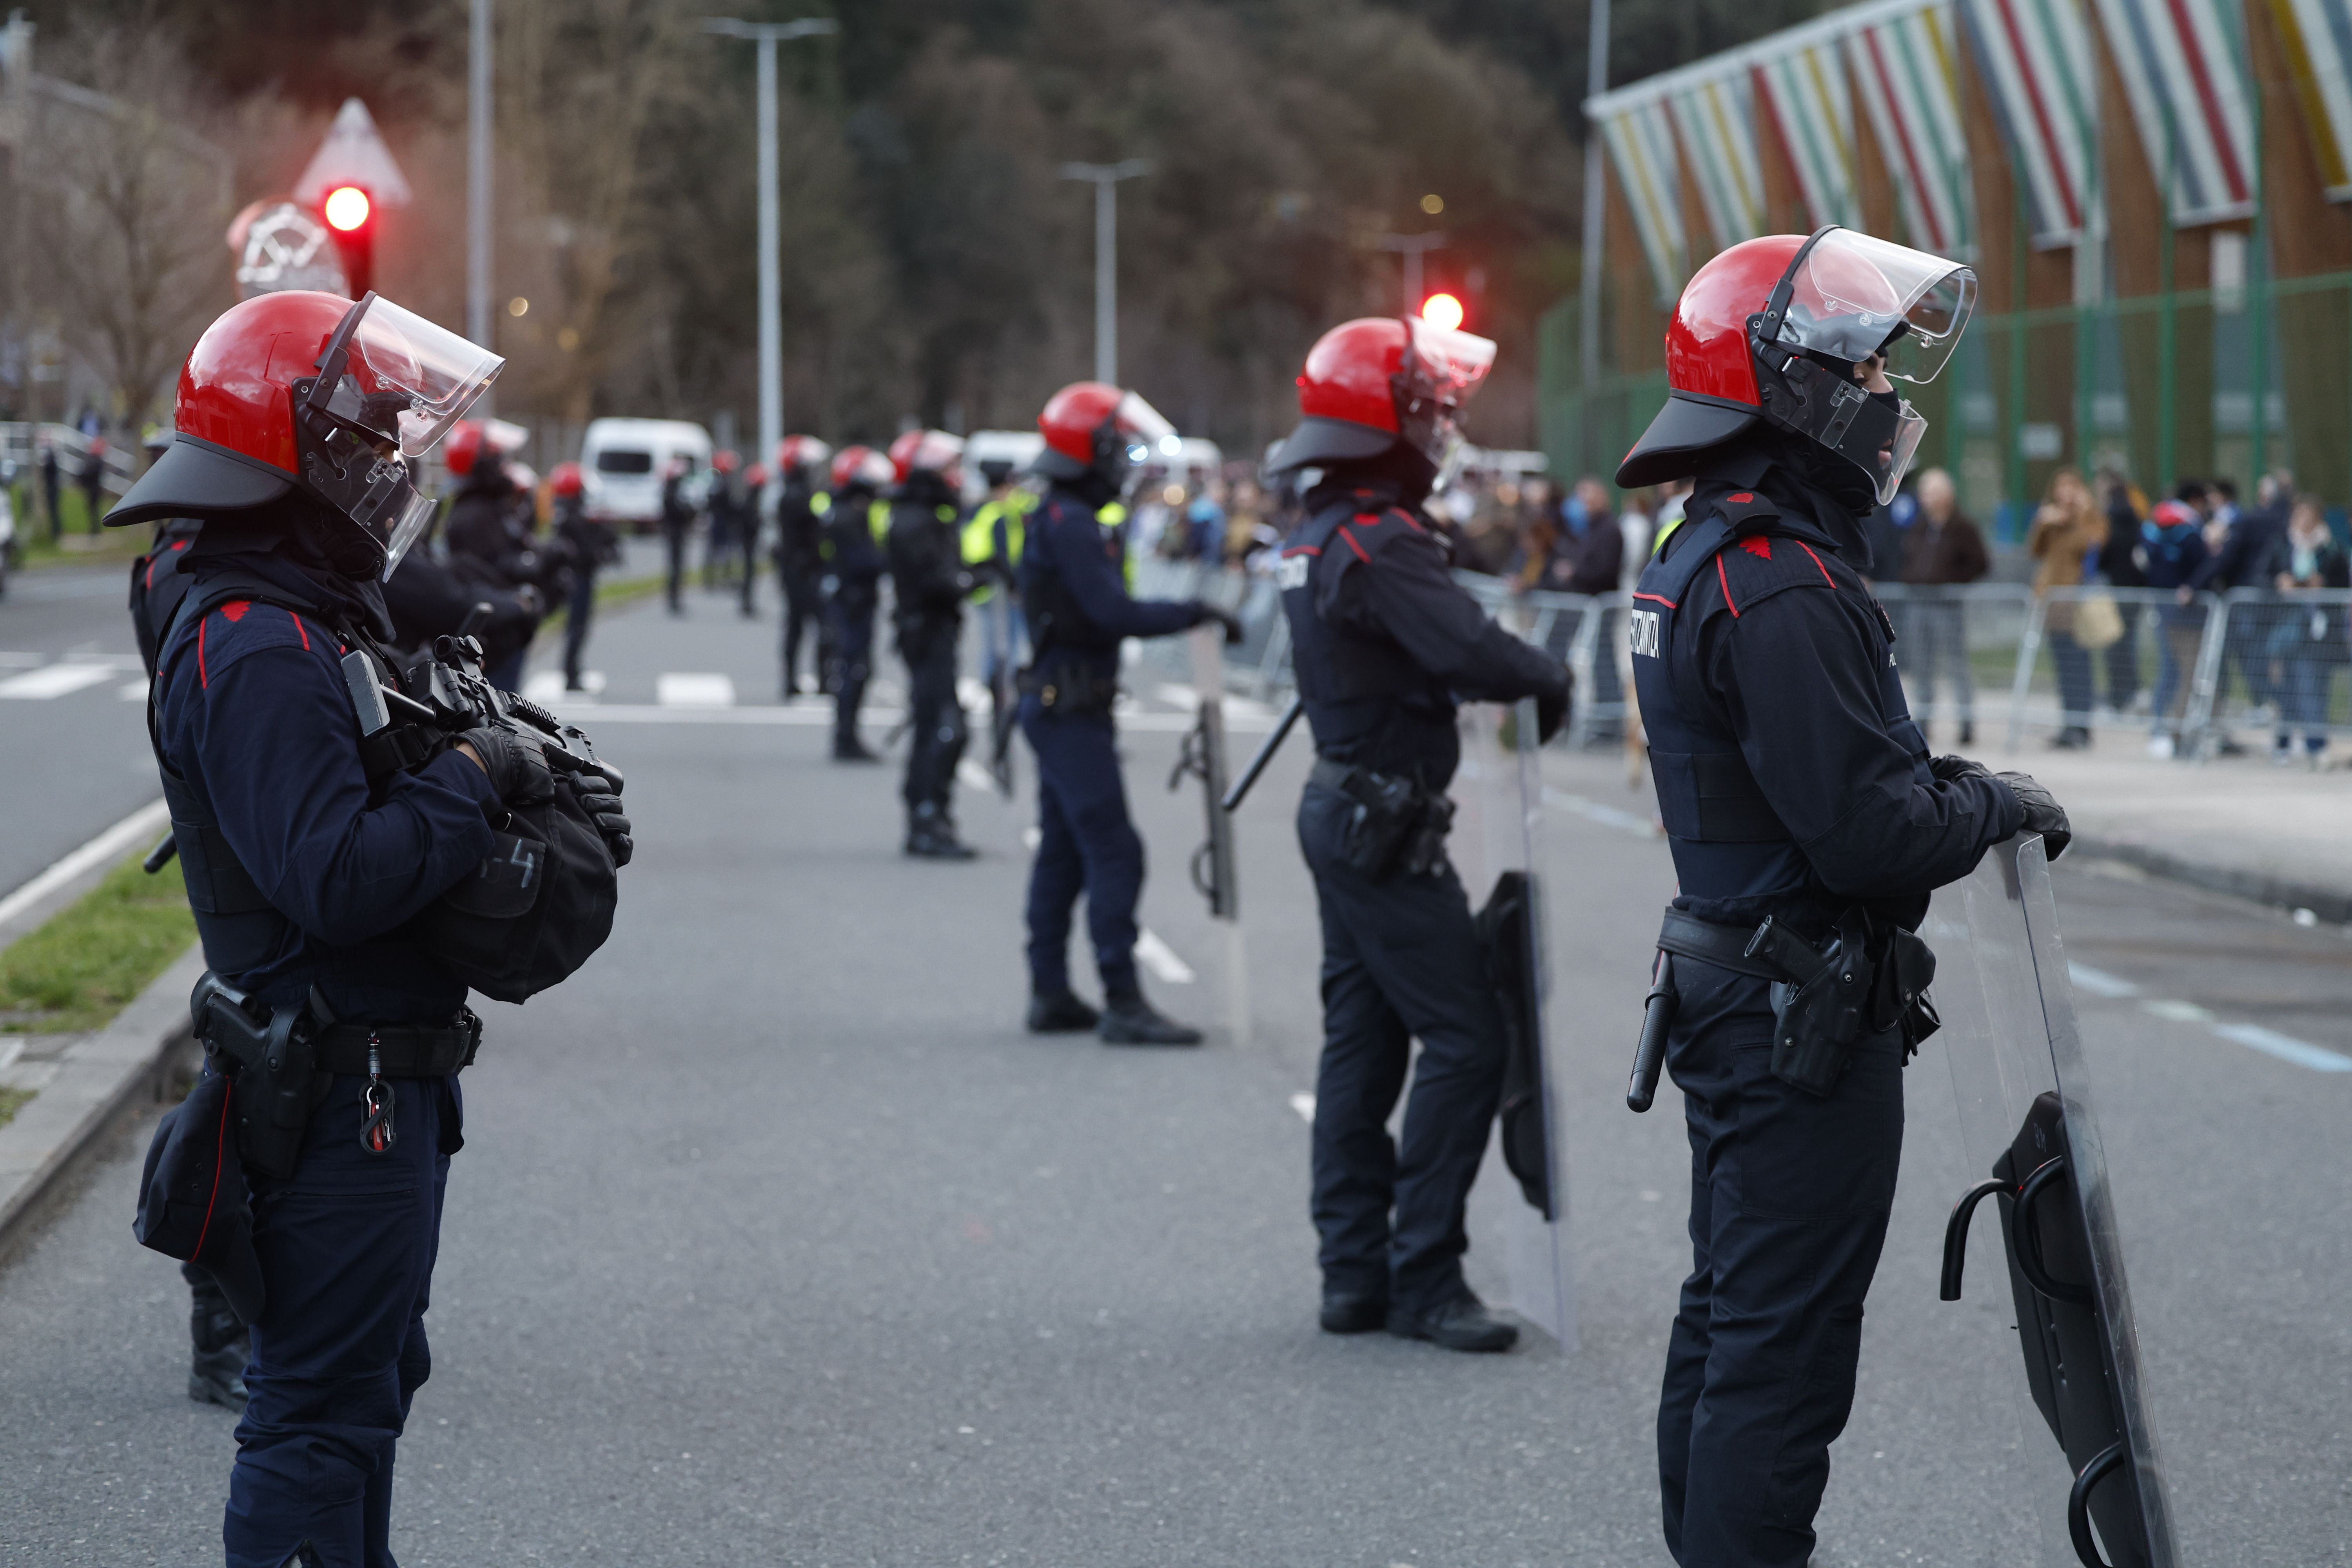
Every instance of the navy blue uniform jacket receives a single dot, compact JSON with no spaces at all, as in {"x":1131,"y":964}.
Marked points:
{"x":252,"y":712}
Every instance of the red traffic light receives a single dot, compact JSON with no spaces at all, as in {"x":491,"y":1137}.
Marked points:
{"x":1441,"y":310}
{"x":347,"y":208}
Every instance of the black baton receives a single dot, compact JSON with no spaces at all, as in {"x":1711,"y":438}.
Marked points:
{"x":1650,"y":1055}
{"x":161,"y":856}
{"x":1264,"y":754}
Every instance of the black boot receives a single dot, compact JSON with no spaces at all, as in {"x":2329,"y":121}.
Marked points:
{"x":1459,"y":1324}
{"x":1968,"y":731}
{"x":1060,"y":1012}
{"x":1354,"y":1311}
{"x":848,"y":748}
{"x":1130,"y":1020}
{"x":217,"y":1375}
{"x":931,"y":836}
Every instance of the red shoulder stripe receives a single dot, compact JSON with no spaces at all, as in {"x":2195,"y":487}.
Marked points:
{"x":1303,"y":550}
{"x":1817,"y":561}
{"x":1656,"y":599}
{"x":300,"y":627}
{"x":1356,"y":547}
{"x":204,"y":679}
{"x":1727,"y":587}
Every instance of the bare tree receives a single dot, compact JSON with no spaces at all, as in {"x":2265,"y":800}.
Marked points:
{"x":133,"y":203}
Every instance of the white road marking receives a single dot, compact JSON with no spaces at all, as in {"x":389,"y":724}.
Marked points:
{"x":1305,"y":1105}
{"x":54,"y":680}
{"x":973,"y":694}
{"x":676,"y":688}
{"x":2179,"y":1011}
{"x":148,"y":821}
{"x":973,"y":776}
{"x":1607,"y":816}
{"x":2286,"y":1048}
{"x":1178,"y":695}
{"x":806,"y":713}
{"x":2098,"y":982}
{"x":546,"y":687}
{"x":133,"y":691}
{"x":1160,"y":958}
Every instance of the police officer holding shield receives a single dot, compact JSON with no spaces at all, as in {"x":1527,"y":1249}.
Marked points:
{"x":1074,"y":591}
{"x":1386,"y":644}
{"x":299,"y":416}
{"x":1807,"y":826}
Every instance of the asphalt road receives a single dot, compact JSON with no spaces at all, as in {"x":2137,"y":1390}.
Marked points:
{"x":776,"y":1240}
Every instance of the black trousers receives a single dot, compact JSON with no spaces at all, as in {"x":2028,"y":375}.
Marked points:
{"x":1789,"y":1195}
{"x":1401,"y":962}
{"x":937,"y":731}
{"x":852,"y":620}
{"x":674,"y":536}
{"x":577,"y":615}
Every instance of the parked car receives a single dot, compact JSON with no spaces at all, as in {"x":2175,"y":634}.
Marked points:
{"x":622,"y":462}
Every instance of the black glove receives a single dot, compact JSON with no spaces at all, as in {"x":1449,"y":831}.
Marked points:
{"x":1951,"y":769}
{"x":517,"y":766}
{"x":1551,"y":712}
{"x":1225,"y":619}
{"x":2043,"y":814}
{"x":603,"y":808}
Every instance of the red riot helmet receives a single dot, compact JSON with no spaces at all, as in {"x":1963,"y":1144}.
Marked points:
{"x":755,"y":478}
{"x":299,"y":391}
{"x":462,"y":448}
{"x":926,"y":452}
{"x":1775,"y":330}
{"x":1093,"y":425}
{"x":725,"y":461}
{"x":860,"y":467}
{"x":1373,"y":383}
{"x":802,"y":453}
{"x":564,"y":479}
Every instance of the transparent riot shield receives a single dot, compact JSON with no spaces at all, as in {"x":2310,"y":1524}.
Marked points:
{"x":2031,"y":1135}
{"x":1204,"y":757}
{"x":1521,"y":1197}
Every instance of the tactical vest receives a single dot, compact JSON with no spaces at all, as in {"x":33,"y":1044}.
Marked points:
{"x":535,"y":909}
{"x":1057,"y":622}
{"x":1358,"y":693}
{"x":241,"y":930}
{"x":1728,"y":841}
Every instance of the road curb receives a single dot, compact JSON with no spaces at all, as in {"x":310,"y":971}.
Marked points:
{"x":2332,"y":905}
{"x":102,"y":1076}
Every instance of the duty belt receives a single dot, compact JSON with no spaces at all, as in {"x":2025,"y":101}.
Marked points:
{"x":1725,"y":946}
{"x":402,"y":1050}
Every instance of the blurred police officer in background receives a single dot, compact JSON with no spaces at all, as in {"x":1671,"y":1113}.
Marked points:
{"x":262,"y":765}
{"x":491,"y":547}
{"x":723,"y":505}
{"x":992,"y":537}
{"x":1807,"y":823}
{"x":851,"y":548}
{"x":928,"y":584}
{"x":1385,"y":643}
{"x":747,"y":537}
{"x":1074,"y":589}
{"x":589,"y":544}
{"x":800,"y":506}
{"x":677,"y":512}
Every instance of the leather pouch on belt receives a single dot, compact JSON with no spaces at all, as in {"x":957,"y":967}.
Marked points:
{"x":1385,"y":811}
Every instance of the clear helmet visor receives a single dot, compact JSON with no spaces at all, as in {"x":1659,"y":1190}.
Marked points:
{"x":1443,"y":365}
{"x":407,"y":528}
{"x":407,"y":379}
{"x":1853,"y":295}
{"x":1136,"y":420}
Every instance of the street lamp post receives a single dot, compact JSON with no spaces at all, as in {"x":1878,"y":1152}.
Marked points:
{"x":767,"y":35}
{"x":1105,"y":178}
{"x":479,"y":122}
{"x":1588,"y":287}
{"x":1412,"y":247}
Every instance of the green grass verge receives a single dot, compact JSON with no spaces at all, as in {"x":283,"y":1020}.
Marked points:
{"x":34,"y":547}
{"x":12,"y":1100}
{"x":87,"y":961}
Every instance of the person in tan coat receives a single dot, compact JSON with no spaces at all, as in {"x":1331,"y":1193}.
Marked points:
{"x":2068,"y":527}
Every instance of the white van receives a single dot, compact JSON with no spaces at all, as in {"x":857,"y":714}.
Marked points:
{"x":622,"y":462}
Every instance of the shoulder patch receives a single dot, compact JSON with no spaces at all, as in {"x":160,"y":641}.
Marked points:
{"x":1746,"y":512}
{"x":1757,"y":544}
{"x":234,"y":609}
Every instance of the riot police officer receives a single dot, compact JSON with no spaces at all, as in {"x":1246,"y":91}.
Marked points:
{"x":589,"y":543}
{"x":677,"y":514}
{"x":490,"y":547}
{"x":800,"y":506}
{"x":299,"y":413}
{"x":928,"y":584}
{"x":1074,"y":590}
{"x":1808,"y":824}
{"x":851,"y":549}
{"x":724,"y":508}
{"x":1385,"y":643}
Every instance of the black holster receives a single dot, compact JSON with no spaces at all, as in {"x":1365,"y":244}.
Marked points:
{"x":269,"y":1057}
{"x":1392,"y":823}
{"x":1867,"y":978}
{"x":1069,"y":690}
